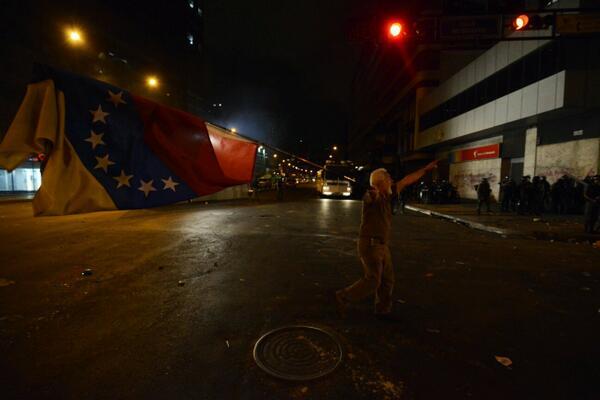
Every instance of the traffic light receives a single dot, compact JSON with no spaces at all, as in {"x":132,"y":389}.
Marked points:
{"x":395,"y":30}
{"x":533,"y":21}
{"x":521,"y":22}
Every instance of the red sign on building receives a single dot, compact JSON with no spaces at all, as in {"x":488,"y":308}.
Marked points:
{"x":477,"y":153}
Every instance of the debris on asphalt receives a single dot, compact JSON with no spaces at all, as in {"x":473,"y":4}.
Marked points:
{"x":537,"y":219}
{"x":242,"y":280}
{"x":304,"y":390}
{"x":87,"y":272}
{"x":227,"y":344}
{"x":216,"y":264}
{"x":401,"y":301}
{"x":432,"y":330}
{"x":587,"y":274}
{"x":429,"y":275}
{"x":161,"y":268}
{"x":461,"y":263}
{"x":586,"y":289}
{"x":180,"y":283}
{"x":507,"y":362}
{"x":6,"y":282}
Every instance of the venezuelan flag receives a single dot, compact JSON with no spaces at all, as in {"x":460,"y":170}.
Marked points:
{"x":109,"y":149}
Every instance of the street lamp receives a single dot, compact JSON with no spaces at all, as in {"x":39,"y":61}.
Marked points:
{"x":74,"y":36}
{"x":274,"y":155}
{"x":331,"y":156}
{"x":152,"y":82}
{"x":334,"y":148}
{"x":233,"y":130}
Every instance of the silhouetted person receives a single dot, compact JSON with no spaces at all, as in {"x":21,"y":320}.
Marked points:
{"x":483,"y":195}
{"x":591,"y":195}
{"x":507,"y":192}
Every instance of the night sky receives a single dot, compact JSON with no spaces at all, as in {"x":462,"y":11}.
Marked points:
{"x":284,"y":71}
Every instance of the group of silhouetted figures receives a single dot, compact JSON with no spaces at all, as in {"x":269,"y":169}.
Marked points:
{"x":536,"y":196}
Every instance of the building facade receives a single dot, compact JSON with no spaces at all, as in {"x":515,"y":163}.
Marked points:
{"x":524,"y":107}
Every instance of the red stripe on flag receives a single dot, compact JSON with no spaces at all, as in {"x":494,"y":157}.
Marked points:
{"x":205,"y":162}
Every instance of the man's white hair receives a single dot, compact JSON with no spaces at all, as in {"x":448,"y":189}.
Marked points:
{"x":378,"y":175}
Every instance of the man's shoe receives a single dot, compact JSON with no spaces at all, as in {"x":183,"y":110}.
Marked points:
{"x":341,"y":303}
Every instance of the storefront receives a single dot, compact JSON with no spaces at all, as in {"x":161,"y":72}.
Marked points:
{"x":25,"y":178}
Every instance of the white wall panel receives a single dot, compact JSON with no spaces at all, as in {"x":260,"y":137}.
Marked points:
{"x":480,"y":65}
{"x":501,"y":113}
{"x":560,"y":89}
{"x":547,"y":94}
{"x":515,"y":51}
{"x":470,"y":121}
{"x":490,"y":62}
{"x":501,"y":55}
{"x":489,"y":111}
{"x":478,"y":123}
{"x":514,"y":105}
{"x":530,"y":100}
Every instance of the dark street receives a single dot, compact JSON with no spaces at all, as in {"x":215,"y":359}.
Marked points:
{"x":178,"y":296}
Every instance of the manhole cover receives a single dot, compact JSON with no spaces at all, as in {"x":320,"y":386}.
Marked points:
{"x":298,"y":352}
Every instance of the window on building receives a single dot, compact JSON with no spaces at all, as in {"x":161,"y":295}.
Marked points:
{"x":515,"y":75}
{"x":539,"y":64}
{"x":531,"y":66}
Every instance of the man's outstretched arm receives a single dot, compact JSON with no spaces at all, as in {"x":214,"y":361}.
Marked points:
{"x":415,"y":176}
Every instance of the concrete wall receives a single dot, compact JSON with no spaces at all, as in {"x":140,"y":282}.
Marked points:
{"x":467,"y":174}
{"x":529,"y":160}
{"x":578,"y":158}
{"x":230,"y":193}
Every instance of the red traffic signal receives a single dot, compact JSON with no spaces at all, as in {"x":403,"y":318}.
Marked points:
{"x":521,"y":22}
{"x":395,"y":30}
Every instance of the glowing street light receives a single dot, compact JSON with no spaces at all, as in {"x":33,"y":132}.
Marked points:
{"x":334,"y":148}
{"x":274,"y":155}
{"x":233,"y":130}
{"x":74,"y":36}
{"x":331,"y":156}
{"x":152,"y":82}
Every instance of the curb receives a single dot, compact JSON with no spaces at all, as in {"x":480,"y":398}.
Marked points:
{"x":466,"y":222}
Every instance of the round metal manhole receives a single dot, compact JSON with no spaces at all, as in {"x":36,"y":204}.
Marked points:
{"x":298,"y":352}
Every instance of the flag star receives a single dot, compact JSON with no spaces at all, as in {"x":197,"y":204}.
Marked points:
{"x":169,"y":184}
{"x":95,"y":139}
{"x":116,"y":98}
{"x":123,"y":179}
{"x":99,"y":114}
{"x":147,"y":187}
{"x":103,"y":163}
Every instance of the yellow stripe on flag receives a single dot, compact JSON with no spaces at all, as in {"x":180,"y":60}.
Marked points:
{"x":39,"y":127}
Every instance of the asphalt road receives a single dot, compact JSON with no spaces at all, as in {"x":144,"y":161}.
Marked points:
{"x":130,"y":330}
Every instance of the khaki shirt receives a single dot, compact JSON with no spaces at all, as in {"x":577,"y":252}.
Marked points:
{"x":376,"y":216}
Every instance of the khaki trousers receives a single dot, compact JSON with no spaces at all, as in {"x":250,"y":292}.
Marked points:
{"x":378,"y":276}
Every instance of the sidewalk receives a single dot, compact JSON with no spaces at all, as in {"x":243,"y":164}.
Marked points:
{"x":568,"y":228}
